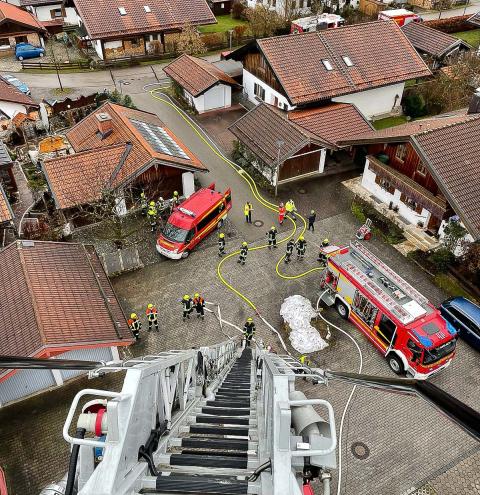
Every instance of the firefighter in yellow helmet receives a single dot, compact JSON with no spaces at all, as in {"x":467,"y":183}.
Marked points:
{"x":243,"y":253}
{"x":187,"y":305}
{"x":152,"y":215}
{"x":135,"y":325}
{"x":221,"y":244}
{"x":143,"y":203}
{"x":301,"y":247}
{"x":152,"y":317}
{"x":175,"y":201}
{"x":199,"y":305}
{"x":272,"y":237}
{"x":249,"y":331}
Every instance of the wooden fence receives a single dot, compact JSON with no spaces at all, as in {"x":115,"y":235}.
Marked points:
{"x":80,"y":64}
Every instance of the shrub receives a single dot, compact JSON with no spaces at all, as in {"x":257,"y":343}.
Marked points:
{"x":238,"y":10}
{"x":212,"y":40}
{"x":451,"y":24}
{"x":239,"y":31}
{"x":442,"y":259}
{"x":414,"y":105}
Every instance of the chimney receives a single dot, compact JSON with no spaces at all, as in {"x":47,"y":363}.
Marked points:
{"x":474,"y":106}
{"x":104,"y":124}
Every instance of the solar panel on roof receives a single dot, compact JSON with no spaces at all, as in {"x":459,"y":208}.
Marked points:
{"x":159,"y":139}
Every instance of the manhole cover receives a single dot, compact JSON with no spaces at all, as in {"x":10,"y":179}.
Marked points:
{"x":302,"y":191}
{"x":258,"y":223}
{"x":360,"y":450}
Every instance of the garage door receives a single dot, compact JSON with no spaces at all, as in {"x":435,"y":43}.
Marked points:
{"x":24,"y":383}
{"x":96,"y":354}
{"x":214,"y":98}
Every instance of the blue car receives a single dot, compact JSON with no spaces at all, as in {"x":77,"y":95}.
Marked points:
{"x":464,"y":316}
{"x":21,"y":86}
{"x":26,"y":50}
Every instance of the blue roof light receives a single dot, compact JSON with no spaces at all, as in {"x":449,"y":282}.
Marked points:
{"x":425,"y":341}
{"x":451,"y":329}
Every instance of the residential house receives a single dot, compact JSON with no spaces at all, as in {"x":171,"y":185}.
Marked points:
{"x":7,"y":177}
{"x":204,"y":86}
{"x":289,"y":146}
{"x":18,"y":26}
{"x":51,"y":14}
{"x":220,"y":7}
{"x":13,"y":102}
{"x":363,"y":64}
{"x":129,"y":28}
{"x":424,"y":173}
{"x":120,"y":149}
{"x":436,"y":47}
{"x":475,"y":19}
{"x":57,"y":303}
{"x":6,"y":214}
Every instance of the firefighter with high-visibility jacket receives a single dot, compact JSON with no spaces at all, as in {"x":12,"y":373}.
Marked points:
{"x":243,"y":254}
{"x":272,"y":237}
{"x":290,"y":207}
{"x":289,"y":251}
{"x":152,"y":216}
{"x":301,"y":247}
{"x":152,"y":317}
{"x":304,"y":361}
{"x":187,"y":306}
{"x":175,"y":201}
{"x":249,"y":331}
{"x":135,"y":325}
{"x":199,"y":305}
{"x":143,"y":203}
{"x":221,"y":244}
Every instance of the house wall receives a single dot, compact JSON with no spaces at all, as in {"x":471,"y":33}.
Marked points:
{"x":221,"y":8}
{"x":134,"y":46}
{"x":11,"y":109}
{"x":308,"y":160}
{"x":43,"y":13}
{"x":271,"y":95}
{"x":219,"y":96}
{"x":257,"y":65}
{"x":376,"y":102}
{"x":7,"y":50}
{"x":97,"y":44}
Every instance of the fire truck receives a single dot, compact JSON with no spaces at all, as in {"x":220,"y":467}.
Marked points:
{"x":402,"y":324}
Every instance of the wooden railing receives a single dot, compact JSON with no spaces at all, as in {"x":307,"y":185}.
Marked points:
{"x":80,"y":64}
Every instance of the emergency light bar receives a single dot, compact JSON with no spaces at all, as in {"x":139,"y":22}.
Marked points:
{"x":186,"y":212}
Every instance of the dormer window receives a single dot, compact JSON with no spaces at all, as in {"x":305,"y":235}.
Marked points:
{"x":147,"y":9}
{"x":348,"y":61}
{"x":327,"y":65}
{"x":122,"y":10}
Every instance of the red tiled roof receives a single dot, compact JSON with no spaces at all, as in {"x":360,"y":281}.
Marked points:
{"x":475,"y":19}
{"x":8,"y":92}
{"x":6,"y":214}
{"x":56,"y":295}
{"x":12,"y":13}
{"x":196,"y":75}
{"x":332,"y":123}
{"x":430,"y":41}
{"x":103,"y":20}
{"x":379,"y":51}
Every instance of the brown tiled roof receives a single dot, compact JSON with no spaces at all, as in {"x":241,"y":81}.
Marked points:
{"x":263,"y":127}
{"x":8,"y":92}
{"x":452,"y":154}
{"x":25,"y":3}
{"x":332,"y":123}
{"x":6,"y":213}
{"x":430,"y":41}
{"x":56,"y":295}
{"x":103,"y":20}
{"x":12,"y":13}
{"x":475,"y":19}
{"x":379,"y":51}
{"x":196,"y":75}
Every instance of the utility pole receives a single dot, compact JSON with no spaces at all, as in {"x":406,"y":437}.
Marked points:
{"x":56,"y":67}
{"x":466,"y":5}
{"x":230,"y":33}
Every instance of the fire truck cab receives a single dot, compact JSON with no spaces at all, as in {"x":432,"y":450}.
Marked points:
{"x":402,"y":324}
{"x":194,"y":219}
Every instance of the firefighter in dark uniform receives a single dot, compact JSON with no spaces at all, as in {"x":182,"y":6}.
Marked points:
{"x":322,"y":257}
{"x":143,"y":203}
{"x":152,"y":216}
{"x":135,"y":325}
{"x":301,"y":247}
{"x":272,"y":237}
{"x":249,"y":331}
{"x":175,"y":201}
{"x":187,"y":305}
{"x":221,"y":244}
{"x":199,"y":304}
{"x":289,"y":252}
{"x":243,"y":253}
{"x":152,"y":317}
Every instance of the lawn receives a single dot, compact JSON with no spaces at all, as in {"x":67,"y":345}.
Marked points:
{"x":471,"y":37}
{"x":224,"y":23}
{"x":389,"y":122}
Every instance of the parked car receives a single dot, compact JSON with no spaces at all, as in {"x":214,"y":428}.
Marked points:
{"x":26,"y":50}
{"x":21,"y":86}
{"x":464,"y":316}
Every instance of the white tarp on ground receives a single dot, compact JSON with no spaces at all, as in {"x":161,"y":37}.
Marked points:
{"x":297,"y":311}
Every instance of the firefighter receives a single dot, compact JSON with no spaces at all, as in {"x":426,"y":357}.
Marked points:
{"x":304,"y":361}
{"x":199,"y":304}
{"x":325,"y":243}
{"x":246,"y":211}
{"x":160,"y":204}
{"x":289,"y":252}
{"x":187,"y":305}
{"x":311,"y":220}
{"x":249,"y":331}
{"x":152,"y":317}
{"x":143,"y":203}
{"x":250,"y":209}
{"x":175,"y":201}
{"x":243,"y":253}
{"x":301,"y":247}
{"x":272,"y":237}
{"x":290,"y":207}
{"x":152,"y":216}
{"x":221,"y":244}
{"x":281,"y":213}
{"x":135,"y":325}
{"x":322,"y":257}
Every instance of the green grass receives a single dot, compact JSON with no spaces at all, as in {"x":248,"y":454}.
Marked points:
{"x":225,"y":22}
{"x":389,"y":122}
{"x":451,"y":286}
{"x":471,"y":37}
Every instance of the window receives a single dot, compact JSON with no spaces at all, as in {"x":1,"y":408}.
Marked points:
{"x":461,"y":318}
{"x":147,"y":9}
{"x":222,"y":5}
{"x":275,"y":101}
{"x":385,"y":184}
{"x":327,"y":65}
{"x":259,"y":91}
{"x":122,"y":10}
{"x":4,"y":43}
{"x":134,"y":43}
{"x":421,"y":169}
{"x":411,"y":203}
{"x":206,"y":220}
{"x":415,"y":350}
{"x":432,"y":355}
{"x":174,"y":233}
{"x":347,"y":61}
{"x":386,"y":329}
{"x":285,"y":106}
{"x":401,"y":152}
{"x":56,"y":13}
{"x":20,"y":39}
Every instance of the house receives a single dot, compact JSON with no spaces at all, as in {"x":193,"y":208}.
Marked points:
{"x":475,"y":19}
{"x":204,"y":85}
{"x":436,"y":47}
{"x":18,"y":26}
{"x":129,"y":28}
{"x":13,"y":102}
{"x":220,"y":7}
{"x":120,"y":149}
{"x":7,"y":177}
{"x":57,"y":302}
{"x":290,"y":146}
{"x":52,"y":14}
{"x":6,"y":214}
{"x":363,"y":64}
{"x":424,"y":173}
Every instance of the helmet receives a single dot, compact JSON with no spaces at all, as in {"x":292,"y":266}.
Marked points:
{"x":133,"y":316}
{"x":152,"y":203}
{"x":175,"y":193}
{"x":244,"y":243}
{"x":160,"y":199}
{"x":281,"y":205}
{"x":150,"y":306}
{"x":249,"y":320}
{"x":273,"y":227}
{"x":301,"y":238}
{"x":312,"y":212}
{"x":326,"y":241}
{"x":196,"y":294}
{"x":186,"y":297}
{"x":222,"y":235}
{"x":142,"y":194}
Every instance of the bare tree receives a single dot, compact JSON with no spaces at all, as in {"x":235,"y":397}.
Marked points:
{"x":190,"y":41}
{"x":263,"y":21}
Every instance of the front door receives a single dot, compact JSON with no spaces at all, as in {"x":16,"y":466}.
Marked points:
{"x":385,"y":329}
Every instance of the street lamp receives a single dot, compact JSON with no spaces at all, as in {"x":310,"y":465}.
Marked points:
{"x":279,"y":143}
{"x":230,"y":33}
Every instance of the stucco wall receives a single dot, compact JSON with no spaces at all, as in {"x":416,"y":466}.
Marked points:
{"x":43,"y":13}
{"x":219,"y":96}
{"x":249,"y":81}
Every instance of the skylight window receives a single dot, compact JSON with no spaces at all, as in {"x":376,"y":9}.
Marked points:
{"x":348,"y":61}
{"x":147,"y":9}
{"x":327,"y":64}
{"x":122,"y":10}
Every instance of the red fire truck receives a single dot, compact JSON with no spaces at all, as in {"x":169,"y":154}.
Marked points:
{"x":193,"y":220}
{"x":404,"y":326}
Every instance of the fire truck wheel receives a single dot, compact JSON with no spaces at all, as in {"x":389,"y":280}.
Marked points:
{"x":342,"y":309}
{"x":395,"y":364}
